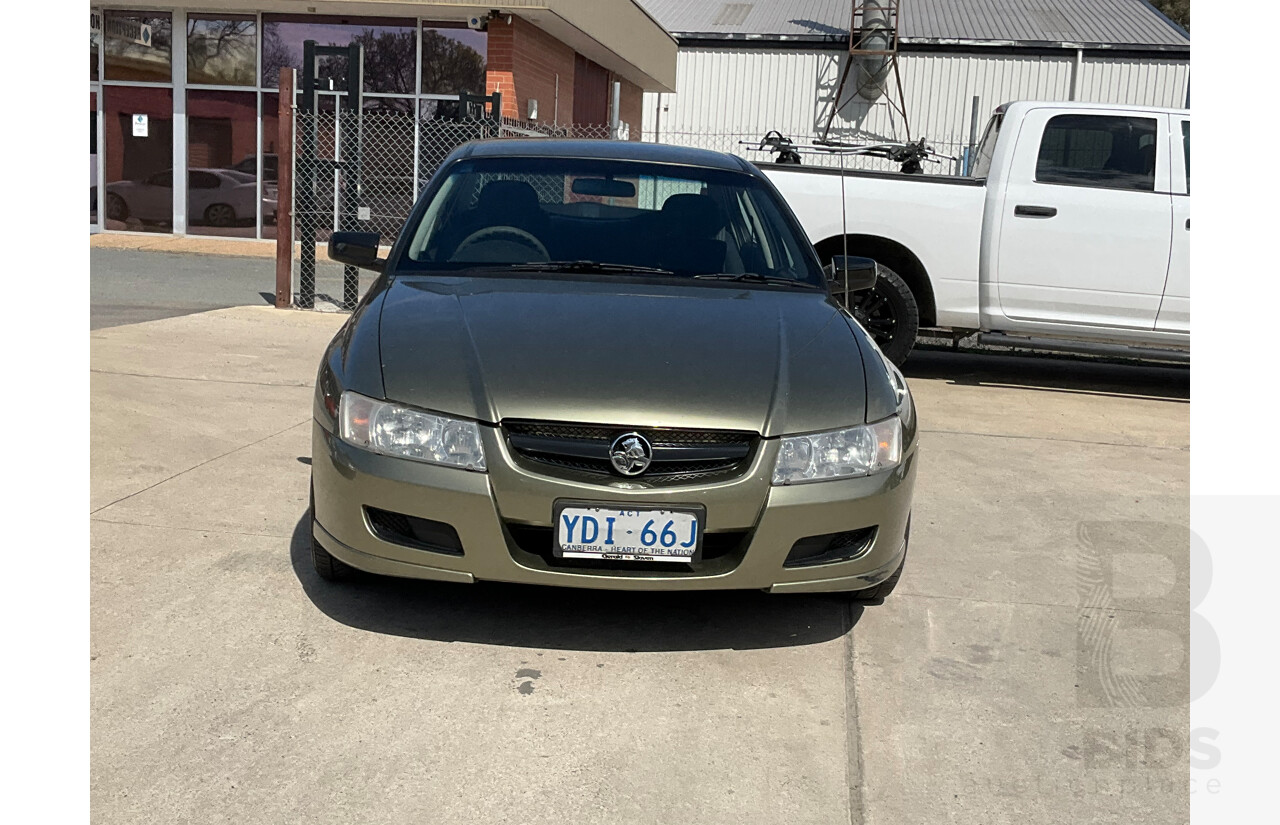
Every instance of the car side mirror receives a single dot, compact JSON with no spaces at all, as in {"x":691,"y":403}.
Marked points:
{"x":357,"y":249}
{"x":855,"y":272}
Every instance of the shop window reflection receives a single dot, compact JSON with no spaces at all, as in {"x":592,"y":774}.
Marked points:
{"x":453,"y":60}
{"x":390,"y":48}
{"x":138,"y":46}
{"x":93,"y":158}
{"x":222,"y":180}
{"x":138,"y":158}
{"x":222,"y":50}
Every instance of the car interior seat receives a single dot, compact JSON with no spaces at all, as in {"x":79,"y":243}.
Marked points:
{"x":501,"y":203}
{"x":689,"y":226}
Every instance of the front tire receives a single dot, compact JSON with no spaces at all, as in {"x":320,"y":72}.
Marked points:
{"x":888,"y":312}
{"x":877,"y":594}
{"x":328,"y":567}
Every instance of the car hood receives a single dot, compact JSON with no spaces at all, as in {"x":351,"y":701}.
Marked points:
{"x":771,"y":361}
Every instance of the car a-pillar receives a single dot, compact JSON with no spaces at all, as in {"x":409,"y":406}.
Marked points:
{"x":900,"y":303}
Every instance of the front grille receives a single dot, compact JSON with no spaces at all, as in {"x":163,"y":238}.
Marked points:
{"x":680,"y":456}
{"x":532,"y":545}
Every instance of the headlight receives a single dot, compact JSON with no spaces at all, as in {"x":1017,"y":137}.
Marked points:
{"x":857,"y":451}
{"x":404,"y":433}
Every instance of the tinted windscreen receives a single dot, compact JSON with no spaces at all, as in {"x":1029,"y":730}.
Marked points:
{"x":686,"y":220}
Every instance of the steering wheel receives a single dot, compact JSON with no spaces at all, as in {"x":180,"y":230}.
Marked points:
{"x":503,"y":233}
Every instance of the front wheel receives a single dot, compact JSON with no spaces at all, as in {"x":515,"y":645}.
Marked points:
{"x":328,"y":567}
{"x":877,"y":594}
{"x":888,"y":312}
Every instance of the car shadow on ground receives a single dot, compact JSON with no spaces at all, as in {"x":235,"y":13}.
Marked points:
{"x":1052,"y":373}
{"x":555,"y":618}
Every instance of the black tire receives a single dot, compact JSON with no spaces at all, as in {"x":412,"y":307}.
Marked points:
{"x":328,"y":567}
{"x":117,"y":209}
{"x":889,"y":313}
{"x":220,"y":214}
{"x":877,"y":594}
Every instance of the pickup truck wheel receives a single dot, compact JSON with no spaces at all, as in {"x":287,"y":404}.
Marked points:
{"x":888,"y":311}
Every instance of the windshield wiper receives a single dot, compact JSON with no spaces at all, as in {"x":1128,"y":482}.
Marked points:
{"x":586,"y":266}
{"x":751,"y":278}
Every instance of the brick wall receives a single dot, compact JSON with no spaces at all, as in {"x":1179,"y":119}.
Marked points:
{"x":523,"y":63}
{"x":631,"y":107}
{"x":499,"y":76}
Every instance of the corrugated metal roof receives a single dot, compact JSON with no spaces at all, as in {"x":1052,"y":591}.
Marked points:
{"x":1100,"y":22}
{"x":828,"y":18}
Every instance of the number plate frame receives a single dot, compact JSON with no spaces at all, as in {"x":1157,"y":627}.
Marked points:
{"x":698,"y":511}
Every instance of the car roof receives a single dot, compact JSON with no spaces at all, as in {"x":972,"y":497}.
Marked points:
{"x":605,"y":150}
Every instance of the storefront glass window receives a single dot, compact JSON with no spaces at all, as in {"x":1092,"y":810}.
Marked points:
{"x":95,"y":41}
{"x":93,"y":157}
{"x":222,"y":50}
{"x":138,"y":46}
{"x":138,"y":127}
{"x":222,"y":163}
{"x":453,"y":60}
{"x":270,"y":162}
{"x":390,"y":48}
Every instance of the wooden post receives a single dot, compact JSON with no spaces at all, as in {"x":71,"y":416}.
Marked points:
{"x":284,"y":194}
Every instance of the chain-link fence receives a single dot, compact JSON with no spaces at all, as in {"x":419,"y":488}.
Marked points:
{"x":364,"y":171}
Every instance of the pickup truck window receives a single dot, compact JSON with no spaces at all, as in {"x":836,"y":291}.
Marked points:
{"x":1186,"y":150}
{"x":1103,"y":151}
{"x":986,"y":148}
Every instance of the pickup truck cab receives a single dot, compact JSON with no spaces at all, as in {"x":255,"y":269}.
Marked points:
{"x":1071,"y":232}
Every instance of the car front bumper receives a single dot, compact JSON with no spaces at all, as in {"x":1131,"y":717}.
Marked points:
{"x":494,"y":513}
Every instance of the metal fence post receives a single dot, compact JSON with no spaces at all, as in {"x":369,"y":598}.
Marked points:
{"x":349,"y":153}
{"x":284,"y":193}
{"x":973,"y":135}
{"x":615,"y":113}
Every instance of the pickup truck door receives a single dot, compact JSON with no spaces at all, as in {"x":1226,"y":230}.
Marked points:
{"x":1085,"y":220}
{"x":1175,"y":309}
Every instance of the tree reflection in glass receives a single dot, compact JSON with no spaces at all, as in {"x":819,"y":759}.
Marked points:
{"x":221,"y":51}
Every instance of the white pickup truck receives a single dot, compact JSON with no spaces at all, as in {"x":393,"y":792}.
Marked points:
{"x":1071,"y":233}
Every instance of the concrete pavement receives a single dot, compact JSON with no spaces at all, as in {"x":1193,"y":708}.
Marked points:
{"x":1030,"y":668}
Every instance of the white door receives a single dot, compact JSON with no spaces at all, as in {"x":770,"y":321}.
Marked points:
{"x":1084,"y":228}
{"x":1175,"y":309}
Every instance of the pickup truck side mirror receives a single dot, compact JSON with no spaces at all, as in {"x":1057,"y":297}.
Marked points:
{"x":357,"y":249}
{"x":858,"y":273}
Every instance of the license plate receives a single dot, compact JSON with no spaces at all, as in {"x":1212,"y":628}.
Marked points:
{"x":602,"y":531}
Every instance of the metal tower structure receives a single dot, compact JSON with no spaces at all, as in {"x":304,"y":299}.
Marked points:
{"x":873,"y":55}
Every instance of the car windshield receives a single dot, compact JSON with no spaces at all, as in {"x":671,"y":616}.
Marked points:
{"x":626,"y":219}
